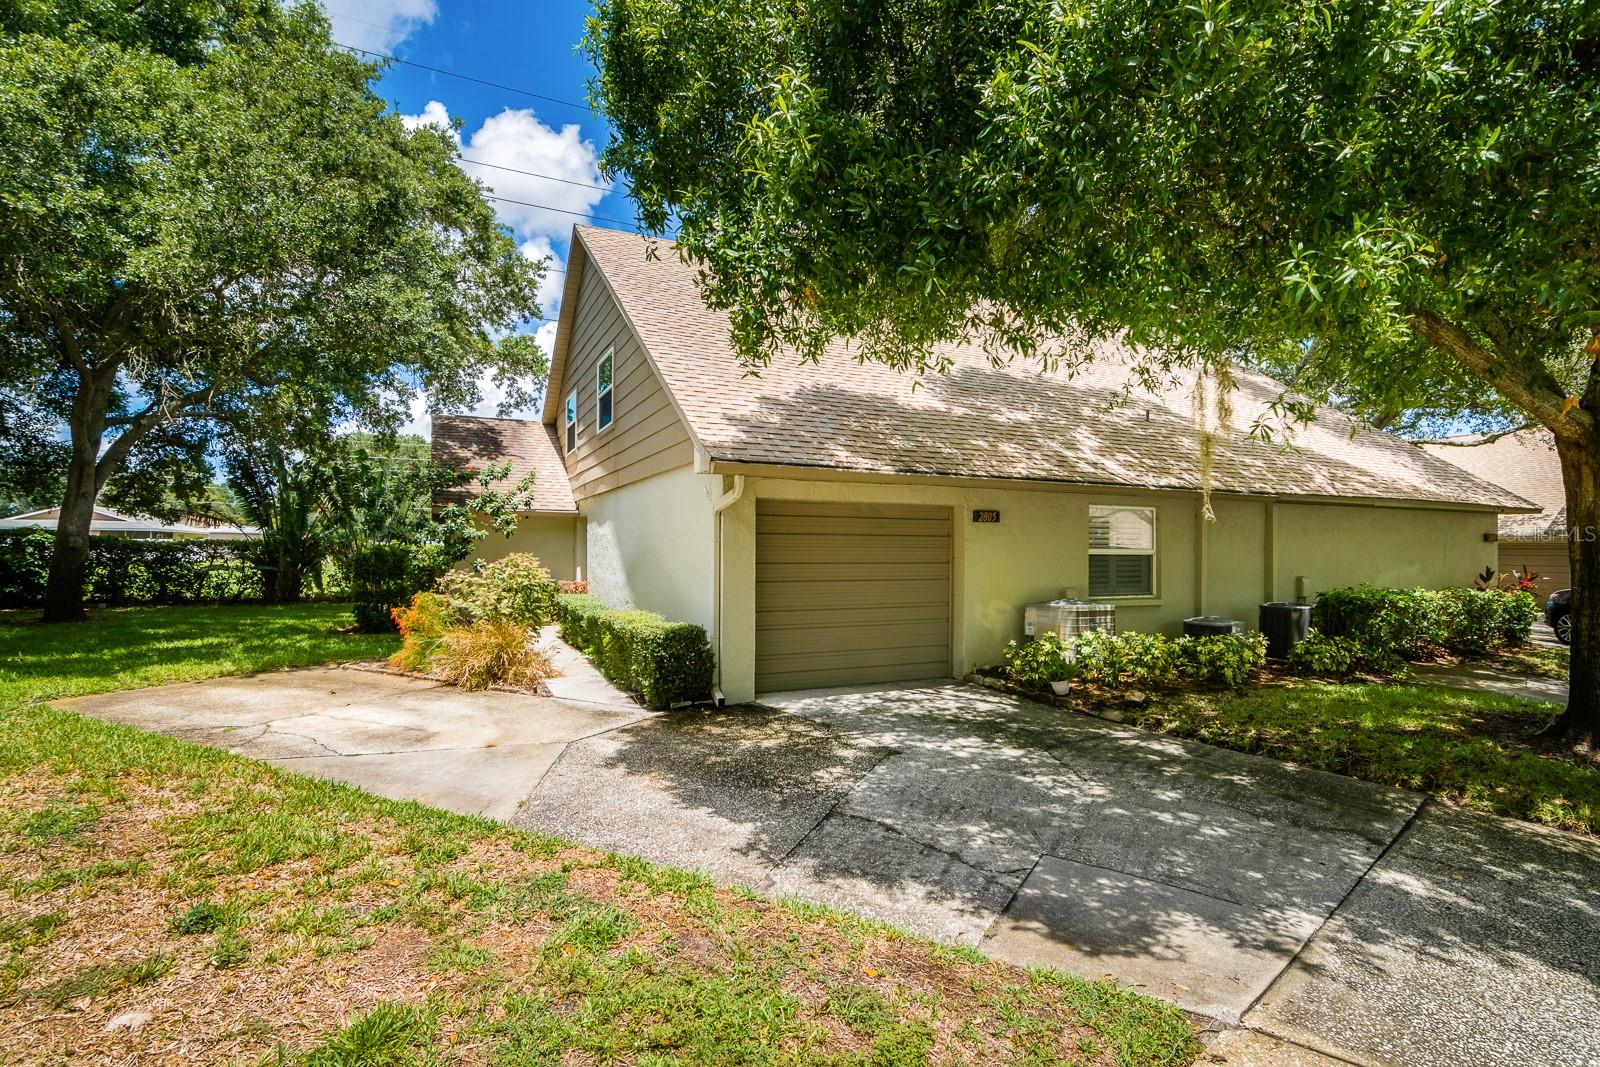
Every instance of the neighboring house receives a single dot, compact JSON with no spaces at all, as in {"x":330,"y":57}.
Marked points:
{"x":830,"y":524}
{"x":108,"y":523}
{"x":1525,"y":463}
{"x":550,"y":528}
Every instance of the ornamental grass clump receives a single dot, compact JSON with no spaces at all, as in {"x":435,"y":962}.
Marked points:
{"x":482,"y":654}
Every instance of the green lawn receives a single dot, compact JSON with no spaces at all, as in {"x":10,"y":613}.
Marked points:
{"x":261,"y":917}
{"x":131,"y":647}
{"x":1471,"y":749}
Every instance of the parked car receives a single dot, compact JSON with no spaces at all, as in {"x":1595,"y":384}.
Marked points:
{"x":1558,"y":613}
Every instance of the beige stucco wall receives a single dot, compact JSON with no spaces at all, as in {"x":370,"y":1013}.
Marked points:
{"x":649,"y":545}
{"x":552,"y":537}
{"x":1039,"y":549}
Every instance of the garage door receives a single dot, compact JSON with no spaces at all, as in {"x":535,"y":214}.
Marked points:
{"x":850,"y":593}
{"x":1547,"y":560}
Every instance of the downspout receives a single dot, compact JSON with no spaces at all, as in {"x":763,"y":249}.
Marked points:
{"x":723,"y":502}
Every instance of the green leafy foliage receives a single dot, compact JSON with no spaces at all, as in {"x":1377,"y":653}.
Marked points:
{"x":203,"y":208}
{"x":1155,"y":661}
{"x":664,"y":662}
{"x":1391,"y":625}
{"x":515,"y":587}
{"x":385,"y":576}
{"x":123,"y":571}
{"x":1334,"y":657}
{"x":1040,"y":661}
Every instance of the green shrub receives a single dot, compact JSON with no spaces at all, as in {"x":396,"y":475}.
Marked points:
{"x":1140,"y":658}
{"x":1405,"y":622}
{"x":1333,"y":657}
{"x":1157,"y":661}
{"x":386,"y":575}
{"x":1470,"y":619}
{"x":124,"y":571}
{"x":1037,"y":663}
{"x":1224,"y":659}
{"x":516,"y":587}
{"x":664,"y":662}
{"x":1518,"y":611}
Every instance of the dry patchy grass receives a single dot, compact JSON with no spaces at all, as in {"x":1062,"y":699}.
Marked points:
{"x":169,"y":904}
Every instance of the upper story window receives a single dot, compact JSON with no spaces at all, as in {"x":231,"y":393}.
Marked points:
{"x":572,"y":420}
{"x":602,"y":392}
{"x":1122,"y":551}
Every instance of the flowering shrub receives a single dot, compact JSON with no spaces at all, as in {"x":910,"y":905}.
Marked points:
{"x":422,"y":625}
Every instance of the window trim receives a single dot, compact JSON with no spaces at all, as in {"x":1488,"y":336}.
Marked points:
{"x":569,"y":412}
{"x":1153,"y":552}
{"x":608,"y":356}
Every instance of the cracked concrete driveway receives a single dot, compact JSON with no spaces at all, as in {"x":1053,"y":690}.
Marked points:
{"x":1343,"y":917}
{"x":406,"y":738}
{"x":1336,"y":918}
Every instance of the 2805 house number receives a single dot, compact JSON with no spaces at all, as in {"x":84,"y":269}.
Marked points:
{"x":985,"y":515}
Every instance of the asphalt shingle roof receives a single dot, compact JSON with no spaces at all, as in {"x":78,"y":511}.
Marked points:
{"x":978,"y":421}
{"x":529,"y":446}
{"x":1526,"y":464}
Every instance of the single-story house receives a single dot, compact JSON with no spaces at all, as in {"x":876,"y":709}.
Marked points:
{"x":1526,"y":463}
{"x":108,"y":523}
{"x":841,"y":523}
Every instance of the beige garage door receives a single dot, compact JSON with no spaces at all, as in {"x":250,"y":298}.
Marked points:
{"x":1549,"y":561}
{"x":850,"y":593}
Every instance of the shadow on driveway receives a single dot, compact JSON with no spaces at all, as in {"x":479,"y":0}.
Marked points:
{"x":1195,"y":873}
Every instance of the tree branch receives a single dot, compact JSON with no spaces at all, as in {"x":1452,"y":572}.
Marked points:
{"x":1463,"y":442}
{"x":1534,"y":391}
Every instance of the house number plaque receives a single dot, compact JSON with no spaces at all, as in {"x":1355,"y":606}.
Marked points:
{"x":985,"y":515}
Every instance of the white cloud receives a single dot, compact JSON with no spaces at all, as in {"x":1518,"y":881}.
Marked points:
{"x":554,"y":279}
{"x":518,"y":140}
{"x":377,"y":25}
{"x":433,"y":114}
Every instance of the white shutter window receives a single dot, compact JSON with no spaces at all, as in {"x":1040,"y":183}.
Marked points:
{"x":1122,"y":551}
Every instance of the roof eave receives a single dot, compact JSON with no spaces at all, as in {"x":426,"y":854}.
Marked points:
{"x":728,"y":465}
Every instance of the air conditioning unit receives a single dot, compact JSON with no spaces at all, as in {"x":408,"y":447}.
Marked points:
{"x":1068,"y":617}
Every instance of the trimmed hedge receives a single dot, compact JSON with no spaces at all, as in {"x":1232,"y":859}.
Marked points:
{"x":124,"y":571}
{"x":664,"y":662}
{"x":1395,"y":624}
{"x":385,"y":576}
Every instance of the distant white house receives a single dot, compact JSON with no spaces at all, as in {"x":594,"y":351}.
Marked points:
{"x":108,"y":523}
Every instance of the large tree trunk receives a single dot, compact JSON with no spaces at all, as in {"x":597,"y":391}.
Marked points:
{"x":69,"y":563}
{"x":1580,"y":470}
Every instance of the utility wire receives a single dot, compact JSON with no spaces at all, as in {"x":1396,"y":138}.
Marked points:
{"x":536,"y":174}
{"x":562,"y":210}
{"x":466,"y":77}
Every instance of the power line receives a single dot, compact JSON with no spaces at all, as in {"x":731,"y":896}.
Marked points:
{"x":536,"y":174}
{"x":467,"y":77}
{"x":562,"y":210}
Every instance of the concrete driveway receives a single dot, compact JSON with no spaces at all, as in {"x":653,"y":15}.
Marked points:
{"x":1333,"y":916}
{"x":1343,"y":917}
{"x":406,"y":738}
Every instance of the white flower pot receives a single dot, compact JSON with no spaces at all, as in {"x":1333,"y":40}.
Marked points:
{"x":1060,"y":688}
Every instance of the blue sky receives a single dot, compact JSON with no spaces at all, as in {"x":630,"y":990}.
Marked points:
{"x":508,"y":137}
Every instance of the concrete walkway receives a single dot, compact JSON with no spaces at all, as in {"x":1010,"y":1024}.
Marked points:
{"x":1490,"y":680}
{"x":406,"y":738}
